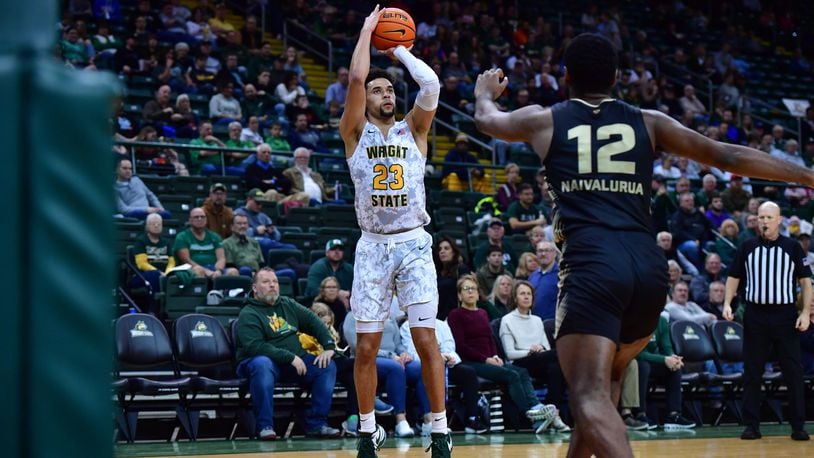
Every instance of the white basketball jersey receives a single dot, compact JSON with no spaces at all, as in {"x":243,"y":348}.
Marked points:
{"x":388,"y":175}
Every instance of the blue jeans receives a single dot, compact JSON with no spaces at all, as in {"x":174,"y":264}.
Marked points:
{"x":413,"y":370}
{"x":395,"y":382}
{"x":142,"y":214}
{"x":263,"y":374}
{"x":692,"y":252}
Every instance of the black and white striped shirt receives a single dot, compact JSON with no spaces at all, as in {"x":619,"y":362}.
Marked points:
{"x":772,"y":270}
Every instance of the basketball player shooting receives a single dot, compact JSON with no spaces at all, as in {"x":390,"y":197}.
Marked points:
{"x":598,"y":154}
{"x":394,"y":255}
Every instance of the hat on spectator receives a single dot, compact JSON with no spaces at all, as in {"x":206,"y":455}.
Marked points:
{"x":461,"y":137}
{"x":257,"y":195}
{"x":217,"y":186}
{"x":334,"y":243}
{"x":496,"y":222}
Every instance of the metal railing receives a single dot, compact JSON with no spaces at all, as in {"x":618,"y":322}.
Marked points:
{"x":308,"y":40}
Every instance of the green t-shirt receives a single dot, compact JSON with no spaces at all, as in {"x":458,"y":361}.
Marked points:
{"x":230,"y":160}
{"x":243,"y":254}
{"x":200,"y":251}
{"x":278,"y":144}
{"x":516,"y":210}
{"x":199,"y":161}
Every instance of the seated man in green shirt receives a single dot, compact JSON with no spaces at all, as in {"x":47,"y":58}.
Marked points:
{"x":522,"y":214}
{"x":201,"y":248}
{"x":269,"y":350}
{"x":241,"y":251}
{"x":206,"y":162}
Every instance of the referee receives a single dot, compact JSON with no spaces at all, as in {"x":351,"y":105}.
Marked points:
{"x":771,"y":264}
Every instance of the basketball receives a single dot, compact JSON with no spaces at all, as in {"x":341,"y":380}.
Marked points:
{"x":395,"y":27}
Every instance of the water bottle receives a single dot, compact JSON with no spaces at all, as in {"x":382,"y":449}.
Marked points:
{"x":131,"y":310}
{"x":337,"y":190}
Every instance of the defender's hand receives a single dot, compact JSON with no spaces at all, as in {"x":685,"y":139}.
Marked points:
{"x":491,"y":83}
{"x":372,"y":20}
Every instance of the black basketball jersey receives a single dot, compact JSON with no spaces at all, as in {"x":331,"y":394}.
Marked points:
{"x":599,"y":167}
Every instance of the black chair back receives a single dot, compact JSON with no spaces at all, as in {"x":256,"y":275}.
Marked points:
{"x":727,"y":338}
{"x":691,"y":341}
{"x":201,"y":341}
{"x":496,"y":336}
{"x":142,"y":341}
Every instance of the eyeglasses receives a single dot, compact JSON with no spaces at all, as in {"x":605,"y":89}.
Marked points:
{"x":329,"y":287}
{"x":469,"y":288}
{"x":545,"y":250}
{"x":198,"y":217}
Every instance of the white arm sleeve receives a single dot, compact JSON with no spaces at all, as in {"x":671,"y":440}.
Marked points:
{"x":429,"y":87}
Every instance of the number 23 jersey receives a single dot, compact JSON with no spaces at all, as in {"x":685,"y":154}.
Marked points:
{"x":388,"y":176}
{"x":599,"y":166}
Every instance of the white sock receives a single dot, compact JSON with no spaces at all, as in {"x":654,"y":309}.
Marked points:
{"x":367,"y":422}
{"x":439,"y":422}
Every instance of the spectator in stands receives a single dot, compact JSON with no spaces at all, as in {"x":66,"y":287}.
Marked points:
{"x":263,"y":61}
{"x":218,"y":214}
{"x":329,"y":295}
{"x":790,"y":153}
{"x":735,"y":197}
{"x":269,"y":350}
{"x":451,"y":95}
{"x":152,"y":254}
{"x":691,"y":229}
{"x":778,"y":137}
{"x":160,"y":110}
{"x":666,"y":168}
{"x":198,"y":26}
{"x":691,"y":106}
{"x":501,"y":293}
{"x":133,"y":198}
{"x":74,"y":50}
{"x":545,"y":280}
{"x":536,"y":235}
{"x":681,"y":309}
{"x":254,"y":105}
{"x":300,"y":106}
{"x":200,"y":79}
{"x":449,"y":265}
{"x":303,"y":135}
{"x":495,"y":237}
{"x":261,"y":226}
{"x":338,"y":90}
{"x":476,"y":343}
{"x":292,"y":64}
{"x":242,"y":252}
{"x":250,"y":135}
{"x":234,"y":159}
{"x":156,"y":156}
{"x":289,"y":89}
{"x":223,"y":107}
{"x":206,"y":162}
{"x":659,"y":362}
{"x":305,"y":180}
{"x":527,"y":265}
{"x":262,"y":175}
{"x":332,"y":265}
{"x":275,"y":139}
{"x":232,"y":73}
{"x":664,"y":240}
{"x":523,"y":214}
{"x":507,"y":193}
{"x":461,"y":177}
{"x":699,"y":286}
{"x":709,"y":188}
{"x":749,"y":228}
{"x":526,"y":345}
{"x":126,"y":62}
{"x":727,"y":244}
{"x":396,"y":368}
{"x":715,"y":300}
{"x":250,"y":36}
{"x":186,"y":123}
{"x":716,"y":214}
{"x":201,"y":248}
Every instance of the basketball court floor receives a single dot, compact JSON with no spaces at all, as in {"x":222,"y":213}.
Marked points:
{"x":722,"y":441}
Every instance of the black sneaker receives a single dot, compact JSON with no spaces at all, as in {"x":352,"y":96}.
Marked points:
{"x":678,"y":422}
{"x":651,"y":425}
{"x":441,"y":445}
{"x":475,"y":426}
{"x":750,"y":433}
{"x":799,"y":435}
{"x":370,"y":443}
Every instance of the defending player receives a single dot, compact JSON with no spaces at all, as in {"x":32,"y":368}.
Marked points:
{"x":598,"y":154}
{"x":394,"y":255}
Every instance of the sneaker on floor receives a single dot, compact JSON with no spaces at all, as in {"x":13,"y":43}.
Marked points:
{"x":559,"y":426}
{"x":634,"y":424}
{"x":324,"y":431}
{"x":369,"y":443}
{"x":750,"y":433}
{"x":403,"y":429}
{"x":426,"y":429}
{"x":800,"y":435}
{"x":268,"y":434}
{"x":381,"y":407}
{"x":651,"y":424}
{"x":441,"y":445}
{"x":475,"y":426}
{"x":350,"y":427}
{"x":545,"y":412}
{"x":678,"y":422}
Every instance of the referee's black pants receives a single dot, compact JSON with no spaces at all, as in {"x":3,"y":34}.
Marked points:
{"x":764,"y":327}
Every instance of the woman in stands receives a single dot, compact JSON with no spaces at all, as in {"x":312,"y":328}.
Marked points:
{"x":477,"y":347}
{"x":728,"y":245}
{"x":449,"y":266}
{"x":329,"y":295}
{"x":526,"y":265}
{"x":501,"y":293}
{"x":526,"y":345}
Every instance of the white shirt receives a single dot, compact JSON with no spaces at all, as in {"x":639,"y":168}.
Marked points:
{"x":310,"y":186}
{"x":250,"y":135}
{"x":519,"y":332}
{"x":446,"y":343}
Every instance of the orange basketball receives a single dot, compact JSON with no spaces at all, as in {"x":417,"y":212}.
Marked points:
{"x":395,"y":27}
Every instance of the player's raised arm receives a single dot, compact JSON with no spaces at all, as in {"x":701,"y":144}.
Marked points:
{"x":671,"y":136}
{"x":353,"y":118}
{"x":426,"y":102}
{"x":518,"y":125}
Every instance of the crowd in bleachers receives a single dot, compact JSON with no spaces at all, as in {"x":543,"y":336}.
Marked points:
{"x":202,"y":74}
